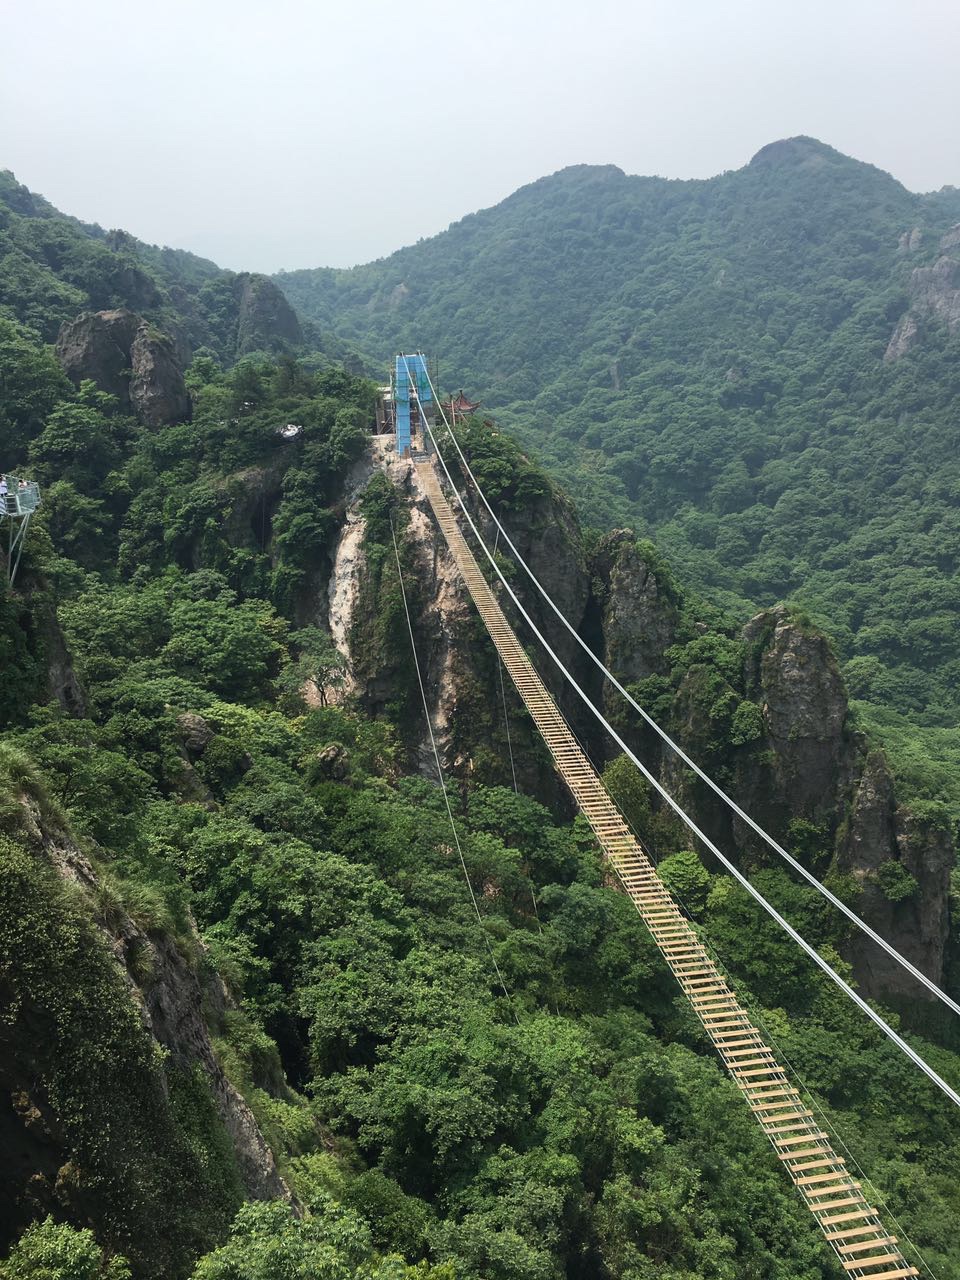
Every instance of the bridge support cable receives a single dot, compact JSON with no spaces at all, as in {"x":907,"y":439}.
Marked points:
{"x":849,"y":1222}
{"x":685,"y":818}
{"x":691,"y":764}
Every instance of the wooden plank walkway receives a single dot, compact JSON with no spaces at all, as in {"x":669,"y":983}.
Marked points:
{"x":849,"y":1222}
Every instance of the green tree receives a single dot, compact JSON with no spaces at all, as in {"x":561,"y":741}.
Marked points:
{"x":50,"y":1250}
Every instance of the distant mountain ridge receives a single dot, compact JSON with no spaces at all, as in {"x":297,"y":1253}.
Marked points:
{"x":53,"y":267}
{"x":762,"y":369}
{"x":542,"y":227}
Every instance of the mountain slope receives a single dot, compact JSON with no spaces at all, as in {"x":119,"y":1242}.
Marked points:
{"x":572,"y":1127}
{"x":706,"y":359}
{"x":53,"y":266}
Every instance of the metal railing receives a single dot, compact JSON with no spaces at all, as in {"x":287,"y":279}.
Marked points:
{"x":21,"y":499}
{"x":18,"y":503}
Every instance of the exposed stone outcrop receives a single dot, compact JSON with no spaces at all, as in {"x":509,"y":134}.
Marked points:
{"x":935,"y":295}
{"x":936,"y":291}
{"x":639,"y":617}
{"x":173,"y":994}
{"x":128,"y":358}
{"x":158,"y":393}
{"x":442,"y":611}
{"x":196,"y":733}
{"x":174,"y":1001}
{"x":795,"y":677}
{"x":97,"y":345}
{"x":819,"y":772}
{"x":903,"y":339}
{"x":333,"y":762}
{"x":804,"y":764}
{"x":63,"y":684}
{"x":446,"y":622}
{"x":342,"y":592}
{"x":546,"y":531}
{"x":879,"y":836}
{"x":910,"y":241}
{"x":265,"y":319}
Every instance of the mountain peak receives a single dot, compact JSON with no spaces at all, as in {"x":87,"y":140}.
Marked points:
{"x":800,"y":150}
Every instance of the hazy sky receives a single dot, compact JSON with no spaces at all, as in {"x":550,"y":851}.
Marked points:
{"x":289,"y":133}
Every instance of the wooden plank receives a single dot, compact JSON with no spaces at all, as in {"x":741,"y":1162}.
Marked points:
{"x":852,"y":1232}
{"x":865,"y":1212}
{"x":857,"y":1264}
{"x":839,"y":1176}
{"x":809,"y":1135}
{"x":899,"y":1274}
{"x":815,"y":1164}
{"x":863,"y":1245}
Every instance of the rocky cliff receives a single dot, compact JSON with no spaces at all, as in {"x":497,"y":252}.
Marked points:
{"x":476,"y":722}
{"x":106,"y":1059}
{"x":773,"y":723}
{"x":762,"y":708}
{"x":934,"y":294}
{"x":129,"y":358}
{"x":265,"y":319}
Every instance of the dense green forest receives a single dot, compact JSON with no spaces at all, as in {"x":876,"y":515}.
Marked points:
{"x":53,"y":266}
{"x":187,"y":840}
{"x":704,"y":361}
{"x":430,"y":1123}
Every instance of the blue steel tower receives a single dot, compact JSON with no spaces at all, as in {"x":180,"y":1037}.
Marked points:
{"x":411,"y":382}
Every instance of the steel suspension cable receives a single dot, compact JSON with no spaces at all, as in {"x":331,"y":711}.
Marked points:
{"x":784,"y":924}
{"x":831,"y":897}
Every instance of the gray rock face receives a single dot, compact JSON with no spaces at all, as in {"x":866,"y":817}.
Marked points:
{"x":910,"y":241}
{"x":639,"y":619}
{"x":172,"y":1004}
{"x":950,"y":239}
{"x":128,"y":358}
{"x":820,"y":773}
{"x":547,"y":534}
{"x":903,"y":339}
{"x":333,"y":761}
{"x":804,"y":710}
{"x":266,"y":321}
{"x":97,"y":345}
{"x":62,"y":681}
{"x":879,"y":836}
{"x":935,"y":293}
{"x":158,"y":393}
{"x":195,"y":732}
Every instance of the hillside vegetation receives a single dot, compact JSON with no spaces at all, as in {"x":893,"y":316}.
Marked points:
{"x":52,"y":266}
{"x":211,"y":886}
{"x":705,"y":360}
{"x":575,"y":1125}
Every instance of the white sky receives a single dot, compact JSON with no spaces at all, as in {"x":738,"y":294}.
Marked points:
{"x":291,"y":133}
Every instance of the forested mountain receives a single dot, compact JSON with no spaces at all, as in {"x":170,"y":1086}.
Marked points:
{"x":762,"y":370}
{"x":250,"y":1025}
{"x":52,"y":267}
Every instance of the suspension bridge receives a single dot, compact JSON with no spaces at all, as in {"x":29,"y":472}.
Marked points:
{"x":851,"y":1223}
